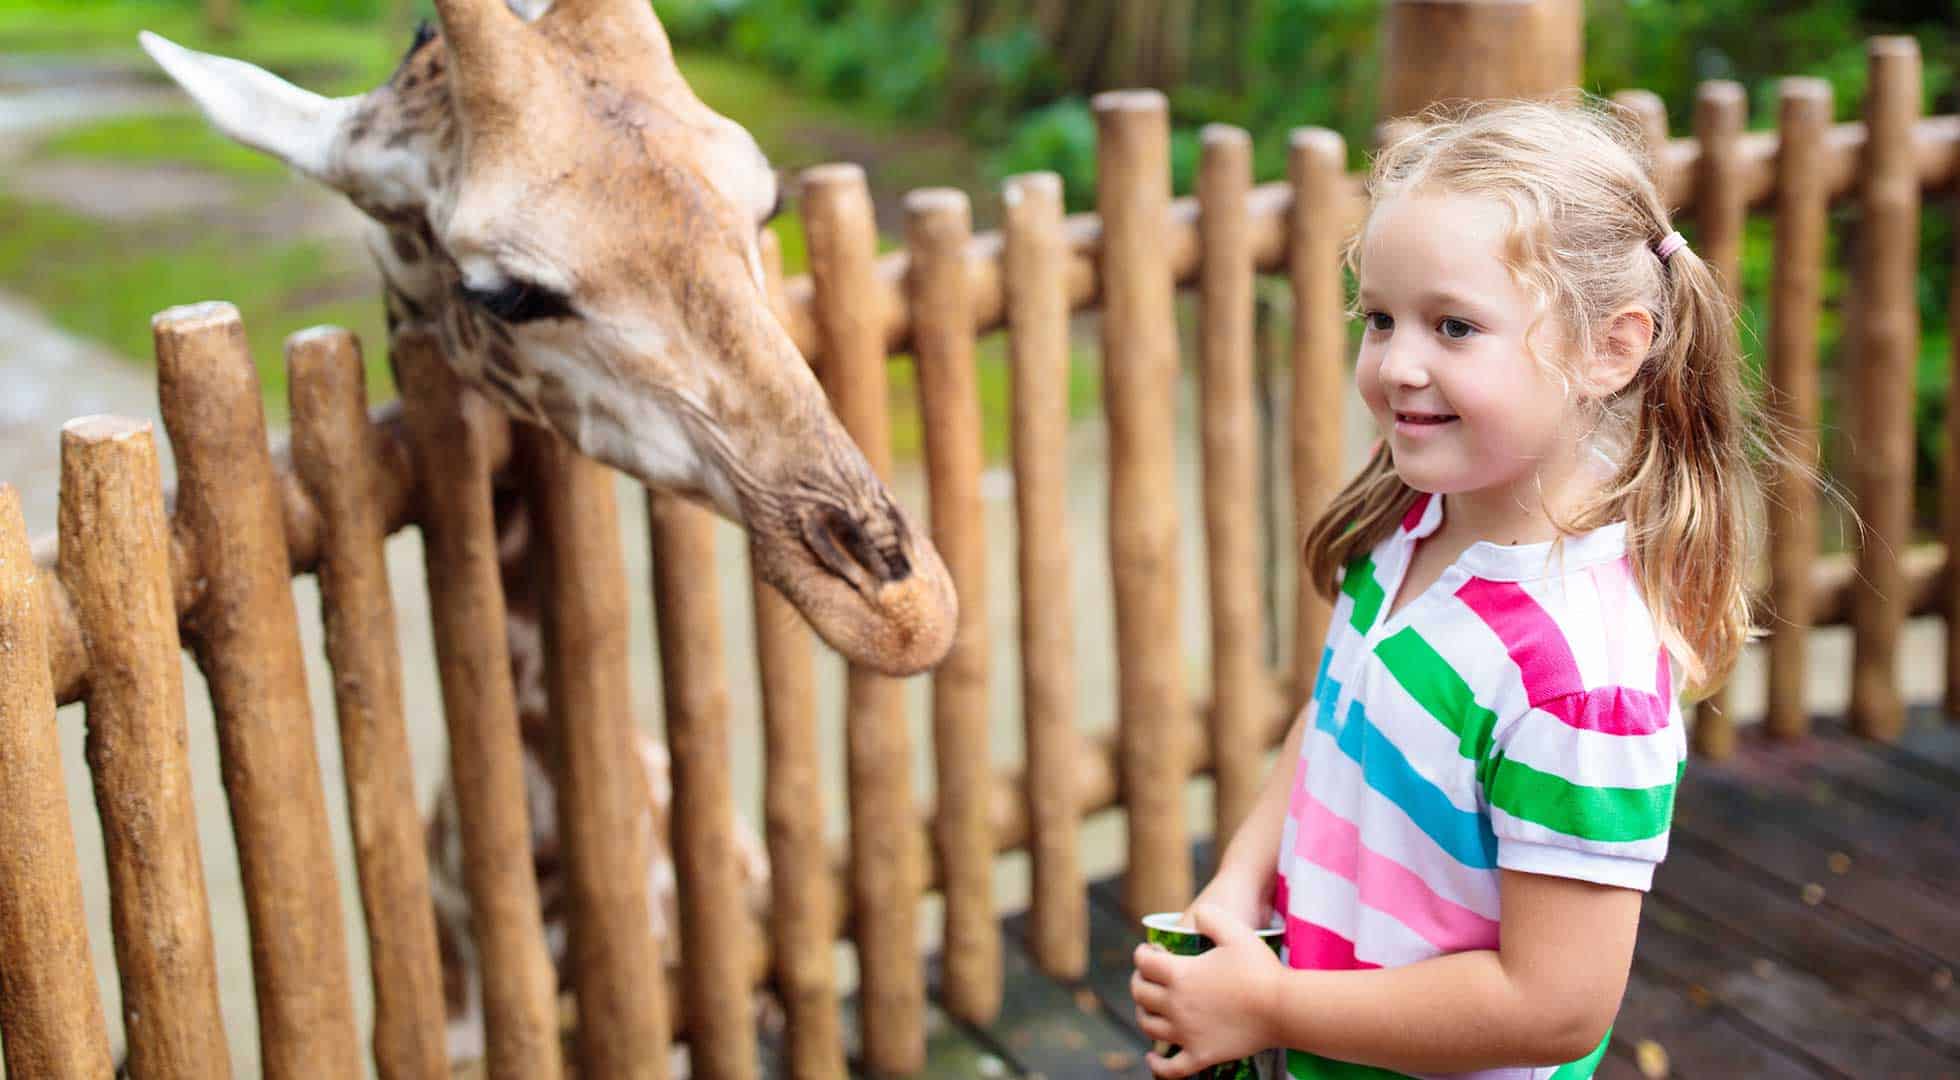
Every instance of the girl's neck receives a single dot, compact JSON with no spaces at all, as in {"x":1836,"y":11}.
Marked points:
{"x":1525,"y":514}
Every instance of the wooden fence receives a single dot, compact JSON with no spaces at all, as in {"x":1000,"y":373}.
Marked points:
{"x":103,"y":623}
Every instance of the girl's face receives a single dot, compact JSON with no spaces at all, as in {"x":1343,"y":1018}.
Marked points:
{"x":1466,"y":408}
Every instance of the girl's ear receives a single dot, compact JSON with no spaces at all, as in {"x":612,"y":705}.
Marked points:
{"x":1623,"y":348}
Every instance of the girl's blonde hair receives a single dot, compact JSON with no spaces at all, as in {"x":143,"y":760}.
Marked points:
{"x":1585,"y":215}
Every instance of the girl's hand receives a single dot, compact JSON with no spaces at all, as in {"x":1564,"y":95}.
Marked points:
{"x":1239,"y":898}
{"x":1213,"y":1006}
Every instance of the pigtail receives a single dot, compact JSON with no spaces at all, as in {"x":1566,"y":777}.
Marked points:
{"x":1686,"y":484}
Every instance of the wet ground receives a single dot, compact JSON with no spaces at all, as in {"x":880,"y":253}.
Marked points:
{"x":48,"y":376}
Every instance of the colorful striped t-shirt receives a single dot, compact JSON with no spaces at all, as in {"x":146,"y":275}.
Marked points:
{"x":1518,"y":714}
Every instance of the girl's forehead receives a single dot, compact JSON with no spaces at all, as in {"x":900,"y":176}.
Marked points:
{"x":1423,"y":241}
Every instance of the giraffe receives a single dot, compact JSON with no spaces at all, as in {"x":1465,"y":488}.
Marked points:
{"x":548,"y":196}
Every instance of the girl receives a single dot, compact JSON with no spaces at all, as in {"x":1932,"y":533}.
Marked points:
{"x":1547,"y":546}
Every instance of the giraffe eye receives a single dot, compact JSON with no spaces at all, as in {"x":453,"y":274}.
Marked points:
{"x":519,"y":302}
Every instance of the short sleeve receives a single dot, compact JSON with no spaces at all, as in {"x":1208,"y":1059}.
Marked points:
{"x":1582,"y":786}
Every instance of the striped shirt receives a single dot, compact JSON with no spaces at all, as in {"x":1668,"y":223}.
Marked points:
{"x":1517,"y":715}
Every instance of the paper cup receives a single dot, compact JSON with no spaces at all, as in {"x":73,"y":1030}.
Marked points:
{"x":1167,"y":930}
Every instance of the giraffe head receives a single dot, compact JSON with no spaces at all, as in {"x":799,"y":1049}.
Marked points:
{"x":555,"y":202}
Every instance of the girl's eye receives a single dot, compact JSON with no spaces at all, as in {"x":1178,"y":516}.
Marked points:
{"x":1456,"y":329}
{"x":1379,"y":320}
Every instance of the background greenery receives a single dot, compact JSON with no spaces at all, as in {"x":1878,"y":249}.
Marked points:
{"x":958,"y":92}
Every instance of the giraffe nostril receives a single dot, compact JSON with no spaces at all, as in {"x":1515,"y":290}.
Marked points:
{"x":865,"y":556}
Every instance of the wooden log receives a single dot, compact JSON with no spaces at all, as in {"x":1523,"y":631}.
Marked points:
{"x":486,"y":757}
{"x":1317,"y":227}
{"x":1140,"y":382}
{"x":1038,"y":343}
{"x":803,"y":896}
{"x":335,"y":456}
{"x":1721,"y":110}
{"x":1887,"y":346}
{"x":50,"y":1016}
{"x":716,"y":940}
{"x":1231,"y":483}
{"x":115,"y":559}
{"x":887,"y":847}
{"x":1796,"y":302}
{"x":1645,"y":110}
{"x":1442,"y":50}
{"x":624,"y":1028}
{"x":1950,"y":487}
{"x":245,"y":632}
{"x":938,"y":225}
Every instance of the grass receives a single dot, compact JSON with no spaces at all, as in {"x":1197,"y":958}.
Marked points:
{"x":104,"y":281}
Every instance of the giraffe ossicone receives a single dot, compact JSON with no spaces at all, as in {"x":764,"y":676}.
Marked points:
{"x":552,"y":199}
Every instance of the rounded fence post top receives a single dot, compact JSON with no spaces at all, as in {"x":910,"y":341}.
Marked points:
{"x":104,"y":427}
{"x":190,"y":318}
{"x":1144,"y":100}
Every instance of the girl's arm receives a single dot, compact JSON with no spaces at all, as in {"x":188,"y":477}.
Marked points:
{"x":1243,"y":885}
{"x":1546,"y":996}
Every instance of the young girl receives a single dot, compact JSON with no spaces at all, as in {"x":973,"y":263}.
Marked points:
{"x":1546,"y":549}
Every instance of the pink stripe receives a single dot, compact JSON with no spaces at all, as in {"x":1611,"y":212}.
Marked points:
{"x":1611,"y":710}
{"x":1325,"y":839}
{"x":1535,"y":642}
{"x":1414,"y":517}
{"x":1550,"y":674}
{"x":1311,"y":947}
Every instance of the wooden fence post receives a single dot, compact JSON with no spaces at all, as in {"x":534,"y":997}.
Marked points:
{"x":623,"y":1023}
{"x":1437,"y":50}
{"x":715,"y":929}
{"x":1796,"y":301}
{"x":115,"y":557}
{"x":1316,"y":169}
{"x":938,"y":225}
{"x":802,"y":897}
{"x":1721,"y":109}
{"x":1140,"y":381}
{"x":1239,"y":700}
{"x":337,"y":459}
{"x":887,"y":868}
{"x":1887,"y":347}
{"x":245,"y":632}
{"x":447,"y":424}
{"x":50,"y":1015}
{"x":1036,"y":264}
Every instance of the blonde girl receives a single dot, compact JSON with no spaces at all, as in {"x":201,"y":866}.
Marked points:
{"x":1546,"y":550}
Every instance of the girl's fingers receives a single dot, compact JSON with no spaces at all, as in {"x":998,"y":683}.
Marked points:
{"x":1153,"y":1025}
{"x":1153,"y":962}
{"x":1147,"y":994}
{"x":1169,"y":1068}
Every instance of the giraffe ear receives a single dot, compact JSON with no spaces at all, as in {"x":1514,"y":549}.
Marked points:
{"x":258,"y":108}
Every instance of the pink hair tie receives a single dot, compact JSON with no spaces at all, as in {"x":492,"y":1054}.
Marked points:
{"x":1669,"y":244}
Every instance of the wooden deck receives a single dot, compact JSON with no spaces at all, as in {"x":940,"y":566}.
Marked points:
{"x":1805,"y":924}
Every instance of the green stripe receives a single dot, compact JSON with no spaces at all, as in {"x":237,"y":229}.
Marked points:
{"x":1441,"y":691}
{"x":1360,"y":584}
{"x":1301,"y":1065}
{"x":1583,"y":1068}
{"x":1604,"y":814}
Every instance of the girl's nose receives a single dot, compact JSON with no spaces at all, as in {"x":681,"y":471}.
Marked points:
{"x":1403,"y":366}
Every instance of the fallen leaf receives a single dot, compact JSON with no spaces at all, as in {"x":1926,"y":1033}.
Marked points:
{"x":1813,"y":894}
{"x":1117,"y":1061}
{"x":1651,"y":1058}
{"x":1840,"y":862}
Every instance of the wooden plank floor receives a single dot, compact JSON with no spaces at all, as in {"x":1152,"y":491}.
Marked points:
{"x":1805,"y":924}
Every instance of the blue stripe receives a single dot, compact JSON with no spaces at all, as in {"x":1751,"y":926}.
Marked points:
{"x":1466,"y":835}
